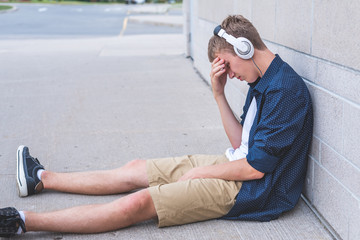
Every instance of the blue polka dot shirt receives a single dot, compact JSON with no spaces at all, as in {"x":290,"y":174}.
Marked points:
{"x":279,"y":141}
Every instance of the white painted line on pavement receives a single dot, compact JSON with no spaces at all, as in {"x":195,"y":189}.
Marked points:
{"x":124,"y":26}
{"x":44,"y":9}
{"x":77,"y":10}
{"x":117,"y":9}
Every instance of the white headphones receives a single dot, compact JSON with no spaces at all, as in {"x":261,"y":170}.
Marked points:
{"x":242,"y":46}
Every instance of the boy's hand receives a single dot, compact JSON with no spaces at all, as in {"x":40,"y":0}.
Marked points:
{"x":218,"y":76}
{"x":198,"y":172}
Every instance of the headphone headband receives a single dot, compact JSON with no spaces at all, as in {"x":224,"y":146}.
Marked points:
{"x":242,"y":46}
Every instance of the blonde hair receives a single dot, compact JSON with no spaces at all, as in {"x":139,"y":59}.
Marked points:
{"x":238,"y":26}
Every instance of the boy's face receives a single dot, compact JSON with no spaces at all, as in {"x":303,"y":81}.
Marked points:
{"x":244,"y":70}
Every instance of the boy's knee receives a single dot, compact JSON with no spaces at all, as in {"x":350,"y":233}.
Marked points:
{"x":138,"y":203}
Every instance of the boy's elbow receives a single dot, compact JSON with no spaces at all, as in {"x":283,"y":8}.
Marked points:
{"x":250,"y":173}
{"x":257,"y":174}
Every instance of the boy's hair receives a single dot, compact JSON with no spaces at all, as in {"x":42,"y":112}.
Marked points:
{"x":238,"y":26}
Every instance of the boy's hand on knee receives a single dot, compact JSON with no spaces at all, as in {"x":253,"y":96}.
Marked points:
{"x":193,"y":174}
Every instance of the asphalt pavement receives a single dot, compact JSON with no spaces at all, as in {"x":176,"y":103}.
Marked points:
{"x":87,"y":20}
{"x":96,"y":103}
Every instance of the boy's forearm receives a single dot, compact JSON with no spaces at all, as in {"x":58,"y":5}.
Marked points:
{"x":239,"y":170}
{"x":231,"y":125}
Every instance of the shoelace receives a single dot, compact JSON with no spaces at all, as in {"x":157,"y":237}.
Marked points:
{"x":34,"y":159}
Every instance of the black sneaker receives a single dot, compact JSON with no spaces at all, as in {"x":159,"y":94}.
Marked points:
{"x":26,"y":173}
{"x":10,"y":221}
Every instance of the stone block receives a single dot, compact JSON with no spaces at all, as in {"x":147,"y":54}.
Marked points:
{"x":207,"y":29}
{"x":263,"y":18}
{"x":202,"y":64}
{"x":304,"y":65}
{"x":341,"y":169}
{"x":328,"y":112}
{"x":214,"y":10}
{"x":243,"y":7}
{"x":315,"y":148}
{"x":308,"y":190}
{"x":203,"y":67}
{"x":205,"y":32}
{"x":335,"y":203}
{"x":199,"y":50}
{"x":272,"y":46}
{"x":334,"y":32}
{"x":293,"y":24}
{"x":342,"y":81}
{"x":352,"y":133}
{"x":354,"y":230}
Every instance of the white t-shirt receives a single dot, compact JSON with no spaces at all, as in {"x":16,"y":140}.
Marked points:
{"x":242,"y":151}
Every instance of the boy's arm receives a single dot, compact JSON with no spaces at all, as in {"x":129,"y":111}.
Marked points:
{"x":239,"y":170}
{"x":232,"y":126}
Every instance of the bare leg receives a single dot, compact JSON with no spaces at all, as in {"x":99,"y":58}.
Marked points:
{"x":129,"y":177}
{"x":123,"y":212}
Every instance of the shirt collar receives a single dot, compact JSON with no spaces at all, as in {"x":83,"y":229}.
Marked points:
{"x":261,"y":84}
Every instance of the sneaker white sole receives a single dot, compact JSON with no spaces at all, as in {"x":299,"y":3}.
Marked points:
{"x":20,"y":175}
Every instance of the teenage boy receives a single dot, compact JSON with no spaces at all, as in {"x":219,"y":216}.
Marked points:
{"x":258,"y":178}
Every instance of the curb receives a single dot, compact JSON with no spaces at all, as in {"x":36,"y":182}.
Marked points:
{"x":152,"y":9}
{"x":172,"y":21}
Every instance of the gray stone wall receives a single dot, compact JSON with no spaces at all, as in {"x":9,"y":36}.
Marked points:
{"x":320,"y":40}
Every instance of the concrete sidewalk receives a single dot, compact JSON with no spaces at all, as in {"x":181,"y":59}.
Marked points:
{"x":91,"y":104}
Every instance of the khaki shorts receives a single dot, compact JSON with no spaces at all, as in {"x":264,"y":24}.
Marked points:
{"x":193,"y":200}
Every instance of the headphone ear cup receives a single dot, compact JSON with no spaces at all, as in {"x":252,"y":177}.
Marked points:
{"x":244,"y":48}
